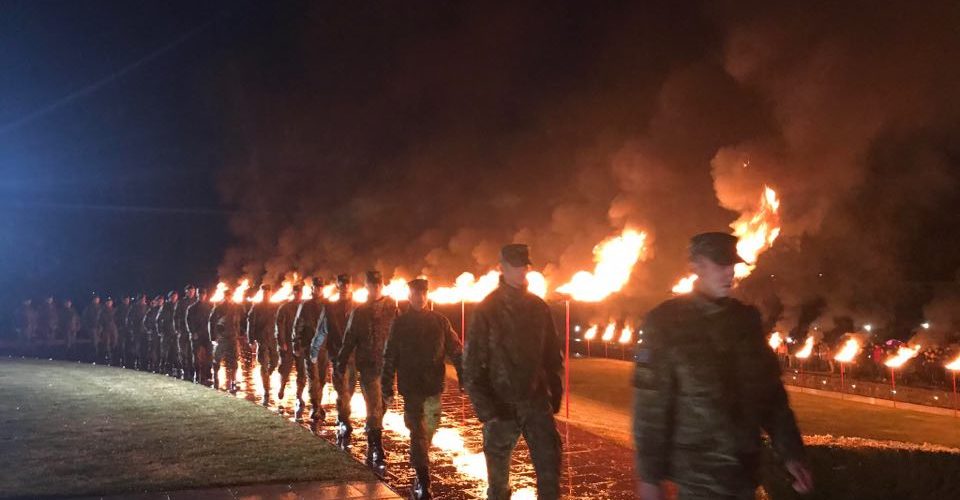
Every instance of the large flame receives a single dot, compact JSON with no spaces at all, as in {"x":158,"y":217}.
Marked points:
{"x":257,"y":297}
{"x":775,"y":341}
{"x":240,"y":292}
{"x":626,"y":335}
{"x":361,"y":295}
{"x":220,"y":294}
{"x":614,"y":259}
{"x":849,"y":351}
{"x":609,"y":331}
{"x":954,"y":365}
{"x":756,"y":233}
{"x":806,"y":350}
{"x":306,"y":292}
{"x":397,"y":289}
{"x":591,"y":333}
{"x":904,"y":354}
{"x":467,"y":288}
{"x":283,"y":294}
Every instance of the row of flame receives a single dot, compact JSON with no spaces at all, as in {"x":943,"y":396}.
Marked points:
{"x":614,"y":260}
{"x":852,"y":347}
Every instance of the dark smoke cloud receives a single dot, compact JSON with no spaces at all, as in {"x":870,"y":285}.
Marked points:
{"x":419,"y":140}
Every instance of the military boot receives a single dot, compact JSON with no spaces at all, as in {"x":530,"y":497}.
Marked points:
{"x":343,"y":435}
{"x":421,"y":485}
{"x":300,"y":408}
{"x":375,"y":454}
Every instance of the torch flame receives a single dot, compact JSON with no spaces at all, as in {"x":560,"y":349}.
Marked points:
{"x":283,"y":294}
{"x":257,"y":297}
{"x":360,"y":296}
{"x":240,"y":291}
{"x":776,"y":340}
{"x":397,"y":289}
{"x":755,"y":233}
{"x":306,"y":292}
{"x":954,"y":365}
{"x":608,"y":332}
{"x":903,"y":355}
{"x":220,"y":294}
{"x":591,"y":333}
{"x":536,"y":284}
{"x":849,"y":350}
{"x":806,"y":350}
{"x":614,"y":259}
{"x":625,"y":335}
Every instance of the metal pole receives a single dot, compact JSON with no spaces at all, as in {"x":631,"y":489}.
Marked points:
{"x":566,"y":365}
{"x":954,"y":394}
{"x":463,"y":322}
{"x":841,"y":381}
{"x":893,"y":383}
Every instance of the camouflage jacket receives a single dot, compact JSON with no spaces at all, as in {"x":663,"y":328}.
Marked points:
{"x":512,"y":354}
{"x":150,"y":324}
{"x":330,"y":328}
{"x":180,"y":318}
{"x":90,"y":320}
{"x":69,"y":323}
{"x":198,"y":316}
{"x":166,"y":326}
{"x":261,"y":322}
{"x":225,"y":322}
{"x":47,"y":320}
{"x":366,"y":334}
{"x":283,"y":325}
{"x":706,"y":384}
{"x":108,"y":321}
{"x":305,"y":324}
{"x":418,"y":343}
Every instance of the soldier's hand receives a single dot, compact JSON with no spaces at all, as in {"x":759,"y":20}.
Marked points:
{"x":802,"y":478}
{"x":649,"y":491}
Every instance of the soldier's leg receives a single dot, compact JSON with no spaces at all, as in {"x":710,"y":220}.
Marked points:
{"x":345,"y":384}
{"x":373,"y":397}
{"x":186,"y":359}
{"x":431,"y":414}
{"x":499,"y":439}
{"x":286,"y":365}
{"x":315,"y":381}
{"x":414,"y":419}
{"x":543,"y":440}
{"x":267,"y":358}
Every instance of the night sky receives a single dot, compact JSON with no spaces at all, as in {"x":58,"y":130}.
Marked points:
{"x":146,"y":145}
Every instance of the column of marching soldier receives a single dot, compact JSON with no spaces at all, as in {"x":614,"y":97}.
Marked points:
{"x":372,"y":344}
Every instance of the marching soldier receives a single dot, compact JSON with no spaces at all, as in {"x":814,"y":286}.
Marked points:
{"x":261,"y":325}
{"x":304,"y":328}
{"x":90,"y":326}
{"x":108,"y":333}
{"x":166,"y":327}
{"x":184,"y":347}
{"x":419,"y":341}
{"x":136,"y":347}
{"x":513,"y":372}
{"x":225,"y":326}
{"x":151,"y":327}
{"x":708,"y":343}
{"x":69,"y":324}
{"x":366,"y":335}
{"x":123,"y":332}
{"x":326,"y":345}
{"x":283,"y":330}
{"x":198,"y":329}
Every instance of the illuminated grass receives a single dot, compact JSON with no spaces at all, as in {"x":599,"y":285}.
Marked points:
{"x":80,"y":429}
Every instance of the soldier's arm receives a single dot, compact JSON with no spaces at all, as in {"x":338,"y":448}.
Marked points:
{"x":351,"y":334}
{"x":452,"y":347}
{"x":654,"y":405}
{"x":389,"y":363}
{"x":553,"y":360}
{"x":323,"y":329}
{"x":776,"y":417}
{"x":476,"y":374}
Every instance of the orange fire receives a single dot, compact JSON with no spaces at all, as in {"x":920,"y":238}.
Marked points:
{"x":397,"y":289}
{"x":756,"y":233}
{"x":954,"y":365}
{"x":591,"y":333}
{"x":283,"y":294}
{"x":608,"y":332}
{"x":614,"y":259}
{"x":361,"y":295}
{"x":903,"y":355}
{"x":849,"y":351}
{"x":329,"y":292}
{"x":257,"y":297}
{"x":220,"y":294}
{"x":306,"y":292}
{"x":537,"y":284}
{"x":240,"y":291}
{"x":626,"y":335}
{"x":806,"y":350}
{"x":775,"y":341}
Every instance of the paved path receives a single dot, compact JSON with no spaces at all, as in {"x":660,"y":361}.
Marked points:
{"x":313,"y":490}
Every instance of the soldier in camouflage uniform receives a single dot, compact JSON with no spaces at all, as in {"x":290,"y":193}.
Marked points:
{"x":137,"y":333}
{"x":151,"y":328}
{"x":166,"y":327}
{"x":304,"y":328}
{"x":418,"y":343}
{"x":107,"y":346}
{"x":184,"y":347}
{"x":513,"y":372}
{"x":90,"y":326}
{"x":201,"y":345}
{"x":325,"y":347}
{"x":47,"y":320}
{"x":69,"y":325}
{"x":123,"y":332}
{"x":366,"y":335}
{"x":706,"y":385}
{"x":261,"y":326}
{"x":283,"y":331}
{"x":225,"y":324}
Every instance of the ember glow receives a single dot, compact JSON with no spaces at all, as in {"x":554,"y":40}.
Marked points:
{"x":756,"y":233}
{"x":775,"y":341}
{"x":220,"y":294}
{"x":849,"y":351}
{"x":806,"y":350}
{"x":903,"y":355}
{"x":614,"y":259}
{"x":954,"y":365}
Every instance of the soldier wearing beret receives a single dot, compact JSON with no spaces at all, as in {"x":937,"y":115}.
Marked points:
{"x":513,"y":372}
{"x":366,"y":335}
{"x":707,"y":384}
{"x":419,"y":341}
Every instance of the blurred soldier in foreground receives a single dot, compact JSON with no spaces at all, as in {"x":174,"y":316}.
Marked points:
{"x":366,"y":335}
{"x":326,"y":345}
{"x":283,"y":330}
{"x":201,"y":344}
{"x":184,"y":347}
{"x":708,"y":343}
{"x":304,"y":328}
{"x":513,"y":371}
{"x":418,"y":343}
{"x":261,"y":325}
{"x":69,"y":326}
{"x":90,"y":326}
{"x":107,"y":344}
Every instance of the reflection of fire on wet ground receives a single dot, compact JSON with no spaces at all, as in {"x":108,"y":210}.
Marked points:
{"x":592,"y":467}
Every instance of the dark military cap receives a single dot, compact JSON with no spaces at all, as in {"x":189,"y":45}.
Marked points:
{"x":171,"y":293}
{"x":297,"y":288}
{"x":343,"y":278}
{"x":189,"y":287}
{"x":318,"y":282}
{"x":516,"y":254}
{"x":419,"y":284}
{"x":374,"y":277}
{"x":721,"y":248}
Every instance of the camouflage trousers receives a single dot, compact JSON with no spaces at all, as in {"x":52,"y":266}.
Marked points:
{"x":225,"y":354}
{"x":287,"y":360}
{"x":345,"y":383}
{"x":268,"y":357}
{"x":373,"y":397}
{"x":185,"y":354}
{"x":169,"y":353}
{"x":311,"y":375}
{"x":203,"y":362}
{"x":421,"y":414}
{"x":534,"y":420}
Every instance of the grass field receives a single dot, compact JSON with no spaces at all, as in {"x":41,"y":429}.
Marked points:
{"x":69,"y":428}
{"x":601,"y":399}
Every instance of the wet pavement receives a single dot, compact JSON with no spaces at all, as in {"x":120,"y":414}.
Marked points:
{"x":310,"y":490}
{"x":593,"y":467}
